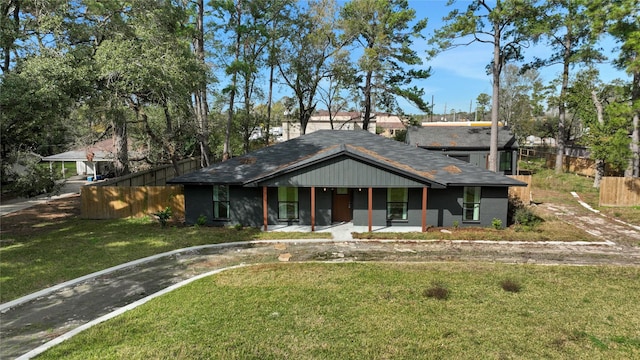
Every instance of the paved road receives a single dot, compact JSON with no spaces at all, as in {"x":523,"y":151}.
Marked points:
{"x":44,"y":317}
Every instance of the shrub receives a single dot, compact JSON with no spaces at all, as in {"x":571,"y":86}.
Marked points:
{"x":526,"y":217}
{"x":521,"y":214}
{"x":36,"y":180}
{"x":510,"y":285}
{"x":496,"y":223}
{"x":437,"y":291}
{"x":456,"y":224}
{"x":163,"y":216}
{"x":202,"y":220}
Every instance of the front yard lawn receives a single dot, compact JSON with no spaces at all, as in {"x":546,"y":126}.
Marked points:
{"x":76,"y":247}
{"x":381,"y":311}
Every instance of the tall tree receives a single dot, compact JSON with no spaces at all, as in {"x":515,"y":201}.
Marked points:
{"x":9,"y":30}
{"x":520,"y":98}
{"x":621,"y":19}
{"x":230,"y":15}
{"x":201,"y":105}
{"x":278,"y":13}
{"x":494,"y":23}
{"x":153,"y":70}
{"x":483,"y":100}
{"x":305,"y":58}
{"x":47,"y":75}
{"x":564,"y":25}
{"x":382,"y":28}
{"x":603,"y":110}
{"x":342,"y":78}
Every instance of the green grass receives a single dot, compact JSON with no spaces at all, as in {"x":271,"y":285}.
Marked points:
{"x":79,"y":247}
{"x":380,"y":311}
{"x":556,"y":188}
{"x":629,"y":214}
{"x":549,"y":230}
{"x":550,"y":187}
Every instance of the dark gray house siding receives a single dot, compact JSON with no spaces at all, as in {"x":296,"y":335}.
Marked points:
{"x":444,"y":206}
{"x":467,"y":143}
{"x":198,"y":200}
{"x":328,"y":161}
{"x":342,"y":172}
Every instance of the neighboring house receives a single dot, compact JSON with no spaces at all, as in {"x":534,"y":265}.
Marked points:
{"x":320,"y":121}
{"x":467,"y":143}
{"x":91,"y":160}
{"x":345,"y":176}
{"x":388,"y":124}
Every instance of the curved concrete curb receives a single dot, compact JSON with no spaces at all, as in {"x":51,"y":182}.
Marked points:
{"x":588,"y":207}
{"x":44,"y":292}
{"x":233,"y":247}
{"x":66,"y":336}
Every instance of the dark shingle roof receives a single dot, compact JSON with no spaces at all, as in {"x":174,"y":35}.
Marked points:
{"x":459,"y":137}
{"x":422,"y":166}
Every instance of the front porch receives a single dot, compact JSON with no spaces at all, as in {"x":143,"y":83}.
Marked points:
{"x":359,"y":206}
{"x":343,"y":230}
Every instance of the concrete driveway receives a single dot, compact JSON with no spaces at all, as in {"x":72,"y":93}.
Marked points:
{"x":71,"y":187}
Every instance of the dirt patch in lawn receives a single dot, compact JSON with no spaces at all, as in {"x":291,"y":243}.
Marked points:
{"x":41,"y":217}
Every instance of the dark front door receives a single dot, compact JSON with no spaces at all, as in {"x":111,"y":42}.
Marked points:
{"x":341,"y":207}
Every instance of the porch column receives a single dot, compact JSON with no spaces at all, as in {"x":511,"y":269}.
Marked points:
{"x":313,"y":208}
{"x":265,"y":211}
{"x":370,"y":208}
{"x":424,"y":209}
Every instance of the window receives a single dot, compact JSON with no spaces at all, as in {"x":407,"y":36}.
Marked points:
{"x":471,"y":204}
{"x":505,"y":161}
{"x":220,"y":202}
{"x":397,"y":199}
{"x":464,"y":158}
{"x":287,"y":203}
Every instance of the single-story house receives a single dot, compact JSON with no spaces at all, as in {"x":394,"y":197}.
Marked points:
{"x":332,"y":176}
{"x":467,"y":143}
{"x":90,"y":160}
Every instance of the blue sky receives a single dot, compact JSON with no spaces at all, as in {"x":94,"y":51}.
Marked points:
{"x":459,"y":75}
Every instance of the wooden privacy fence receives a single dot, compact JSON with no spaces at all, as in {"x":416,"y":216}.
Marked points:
{"x":573,"y":164}
{"x":619,"y":191}
{"x":111,"y":202}
{"x":154,"y":177}
{"x":521,"y":192}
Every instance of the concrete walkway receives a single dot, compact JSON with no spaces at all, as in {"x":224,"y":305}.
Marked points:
{"x":342,"y":230}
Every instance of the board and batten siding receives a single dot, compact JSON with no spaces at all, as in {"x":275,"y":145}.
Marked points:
{"x":342,"y":172}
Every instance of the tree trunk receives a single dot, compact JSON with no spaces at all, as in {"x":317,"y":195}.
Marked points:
{"x":120,"y":142}
{"x":562,"y":116}
{"x":168,"y":142}
{"x":635,"y":146}
{"x":200,"y":96}
{"x":600,"y":166}
{"x":267,"y":127}
{"x":367,"y":101}
{"x":495,"y":100}
{"x":272,"y":68}
{"x":226,"y":152}
{"x":634,"y":163}
{"x":9,"y":40}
